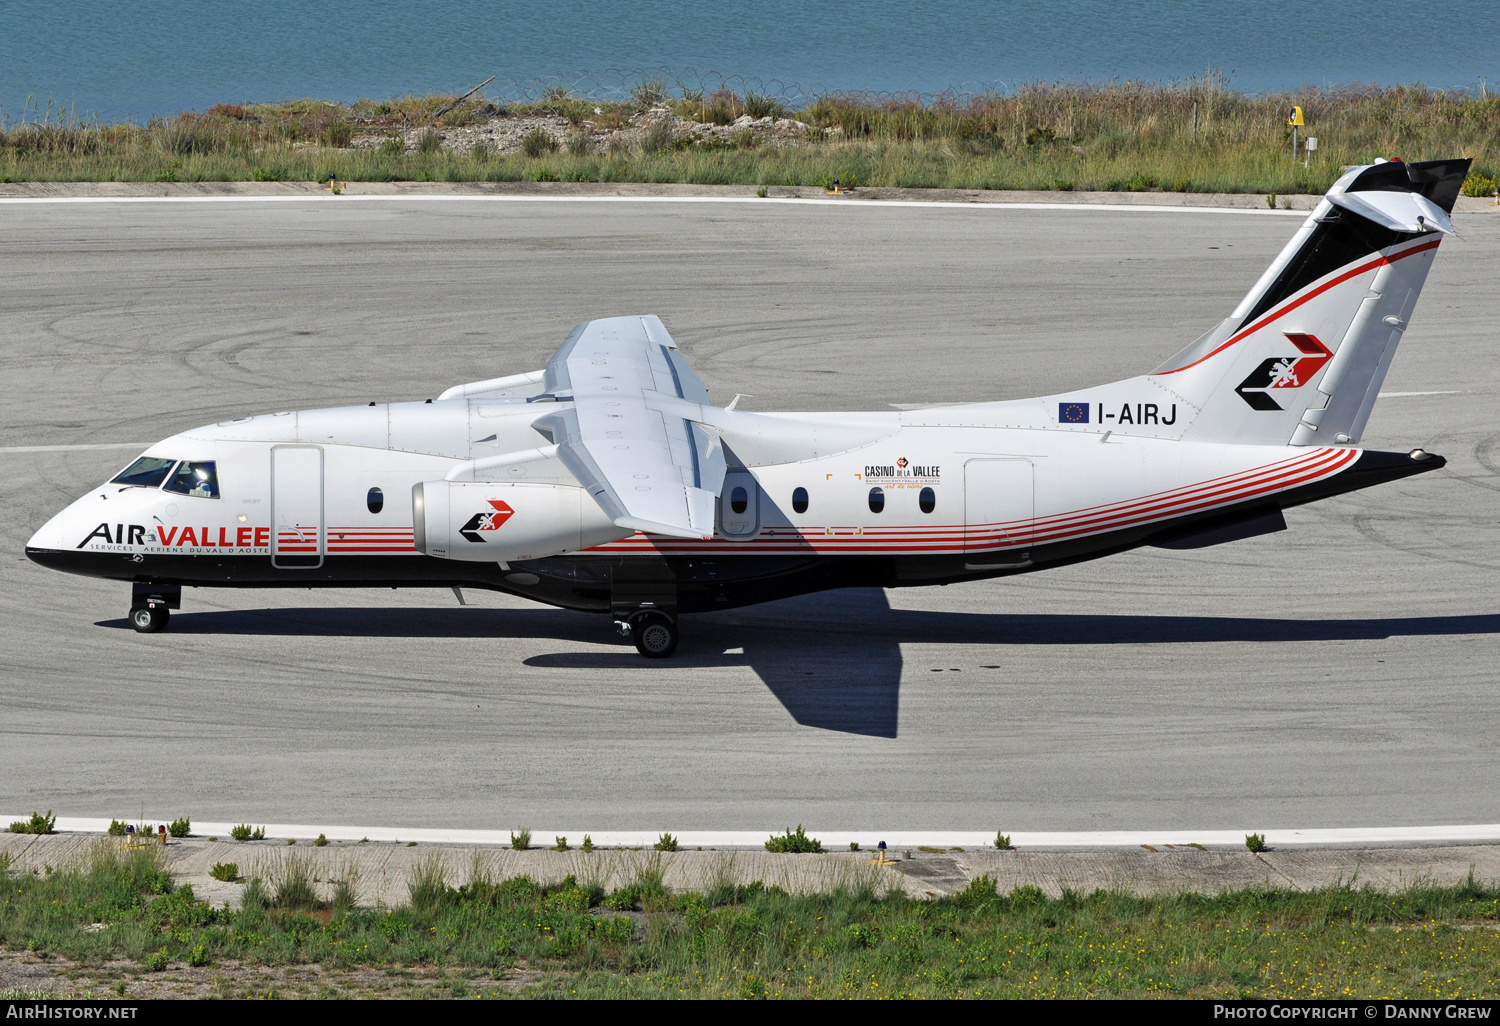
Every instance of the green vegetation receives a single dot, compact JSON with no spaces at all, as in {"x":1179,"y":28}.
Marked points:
{"x":116,"y":828}
{"x":537,"y":142}
{"x":588,"y":843}
{"x":520,"y":839}
{"x":1002,"y":841}
{"x":180,"y":827}
{"x":429,"y":141}
{"x":1130,"y":136}
{"x":37,"y":824}
{"x":321,"y":841}
{"x":750,"y":941}
{"x":796,"y":842}
{"x":345,"y":890}
{"x":292,"y":883}
{"x":1255,"y":842}
{"x":429,"y":882}
{"x":225,"y":871}
{"x":560,"y":844}
{"x":666,"y":842}
{"x":1479,"y":185}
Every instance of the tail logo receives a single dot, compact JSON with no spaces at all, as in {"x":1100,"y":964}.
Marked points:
{"x":486,"y":521}
{"x":1284,"y":372}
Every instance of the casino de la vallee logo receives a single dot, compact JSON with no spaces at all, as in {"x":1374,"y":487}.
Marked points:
{"x":904,"y":469}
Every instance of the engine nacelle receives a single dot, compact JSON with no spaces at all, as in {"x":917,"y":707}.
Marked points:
{"x":506,"y":521}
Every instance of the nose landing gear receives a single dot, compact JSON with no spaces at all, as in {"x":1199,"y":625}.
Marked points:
{"x":150,"y":619}
{"x":655,"y":634}
{"x":151,"y":606}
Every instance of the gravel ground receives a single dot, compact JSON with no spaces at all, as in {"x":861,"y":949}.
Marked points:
{"x":505,"y":134}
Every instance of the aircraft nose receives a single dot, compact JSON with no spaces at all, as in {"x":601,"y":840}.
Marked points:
{"x":52,"y":535}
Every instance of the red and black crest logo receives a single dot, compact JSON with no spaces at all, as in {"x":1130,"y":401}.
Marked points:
{"x":1284,"y":372}
{"x":486,"y":521}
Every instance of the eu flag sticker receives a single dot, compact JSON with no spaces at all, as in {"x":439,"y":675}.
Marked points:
{"x":1072,"y":413}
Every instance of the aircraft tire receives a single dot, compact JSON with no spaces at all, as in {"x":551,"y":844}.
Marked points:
{"x":655,"y":636}
{"x":150,"y":619}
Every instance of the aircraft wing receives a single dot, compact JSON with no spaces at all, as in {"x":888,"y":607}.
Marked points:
{"x":628,"y":426}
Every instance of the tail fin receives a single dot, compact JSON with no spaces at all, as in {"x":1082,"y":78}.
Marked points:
{"x":1303,"y":356}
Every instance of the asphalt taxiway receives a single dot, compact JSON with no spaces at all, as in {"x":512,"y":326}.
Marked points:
{"x":1340,"y":674}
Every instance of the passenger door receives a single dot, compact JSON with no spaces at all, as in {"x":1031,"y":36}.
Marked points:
{"x":298,"y":535}
{"x":998,"y":512}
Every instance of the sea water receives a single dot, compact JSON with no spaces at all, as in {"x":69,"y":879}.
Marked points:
{"x":130,"y":60}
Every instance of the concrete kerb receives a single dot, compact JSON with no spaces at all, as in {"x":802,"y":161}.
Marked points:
{"x":53,"y":191}
{"x":382,"y":872}
{"x":1345,"y":837}
{"x":1140,"y":202}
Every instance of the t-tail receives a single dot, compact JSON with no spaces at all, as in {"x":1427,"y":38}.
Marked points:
{"x":1301,"y":360}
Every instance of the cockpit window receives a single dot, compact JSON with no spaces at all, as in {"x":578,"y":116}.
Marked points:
{"x":197,"y":479}
{"x":146,"y":472}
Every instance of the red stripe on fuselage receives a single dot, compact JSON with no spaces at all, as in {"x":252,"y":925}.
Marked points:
{"x":1205,"y":495}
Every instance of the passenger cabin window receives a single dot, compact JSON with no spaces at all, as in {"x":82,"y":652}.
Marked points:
{"x":877,"y":500}
{"x":927,"y":500}
{"x":739,"y":500}
{"x":196,"y":479}
{"x":375,"y":501}
{"x":146,"y":472}
{"x":799,"y":500}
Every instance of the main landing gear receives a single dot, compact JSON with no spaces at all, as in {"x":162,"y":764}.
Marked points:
{"x":655,"y":633}
{"x":151,"y":606}
{"x":643,"y":597}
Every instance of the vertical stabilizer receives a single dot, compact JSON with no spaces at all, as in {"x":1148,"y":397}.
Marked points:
{"x":1303,"y":356}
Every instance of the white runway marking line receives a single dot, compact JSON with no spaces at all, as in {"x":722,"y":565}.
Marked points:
{"x":1128,"y":208}
{"x":836,"y":840}
{"x":1397,"y":395}
{"x":76,"y":448}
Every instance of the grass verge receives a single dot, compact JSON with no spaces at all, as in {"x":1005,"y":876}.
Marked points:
{"x":1194,"y":136}
{"x":574,"y":940}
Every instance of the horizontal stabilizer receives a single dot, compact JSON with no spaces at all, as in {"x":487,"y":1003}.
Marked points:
{"x":1217,"y":531}
{"x":1398,"y":211}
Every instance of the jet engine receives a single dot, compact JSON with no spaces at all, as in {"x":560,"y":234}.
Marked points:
{"x":506,"y":521}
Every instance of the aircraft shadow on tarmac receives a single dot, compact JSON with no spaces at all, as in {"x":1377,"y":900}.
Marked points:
{"x":833,"y":660}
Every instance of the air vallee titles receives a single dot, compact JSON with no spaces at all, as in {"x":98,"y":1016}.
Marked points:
{"x":606,"y":482}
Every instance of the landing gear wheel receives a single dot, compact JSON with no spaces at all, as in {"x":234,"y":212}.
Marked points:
{"x":655,"y":635}
{"x":150,"y":619}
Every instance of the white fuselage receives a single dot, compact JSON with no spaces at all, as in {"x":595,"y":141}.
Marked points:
{"x":971,"y":480}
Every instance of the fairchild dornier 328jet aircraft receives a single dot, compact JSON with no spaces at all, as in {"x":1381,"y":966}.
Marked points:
{"x":607,"y":482}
